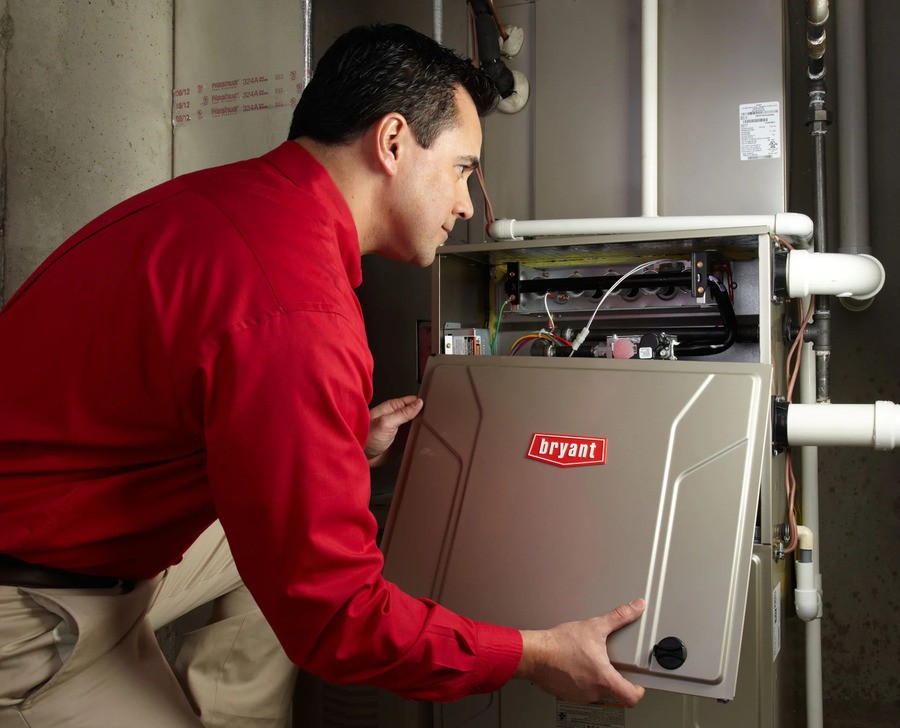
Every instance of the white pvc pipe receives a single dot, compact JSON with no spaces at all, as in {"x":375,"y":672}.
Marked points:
{"x":834,"y":274}
{"x":815,"y":713}
{"x":809,"y":485}
{"x":788,"y":224}
{"x":649,"y":108}
{"x":853,"y":142}
{"x":438,"y":21}
{"x":864,"y":425}
{"x":807,"y":600}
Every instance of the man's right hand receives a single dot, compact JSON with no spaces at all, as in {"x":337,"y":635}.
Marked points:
{"x":570,"y":661}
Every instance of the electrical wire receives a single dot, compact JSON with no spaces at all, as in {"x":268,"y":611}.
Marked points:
{"x":497,"y":326}
{"x":542,"y":334}
{"x":488,"y":207}
{"x":583,"y":334}
{"x":547,"y":309}
{"x":473,"y":35}
{"x":729,"y":282}
{"x":792,"y":370}
{"x":704,"y":347}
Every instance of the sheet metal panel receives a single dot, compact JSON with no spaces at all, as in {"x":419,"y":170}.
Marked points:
{"x":714,"y":57}
{"x":494,"y":535}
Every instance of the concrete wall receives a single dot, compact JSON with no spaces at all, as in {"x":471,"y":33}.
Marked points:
{"x":87,"y":101}
{"x":87,"y":110}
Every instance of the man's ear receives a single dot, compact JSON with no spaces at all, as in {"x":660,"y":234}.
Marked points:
{"x":392,"y":133}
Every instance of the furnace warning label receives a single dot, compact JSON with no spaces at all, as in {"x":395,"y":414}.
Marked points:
{"x":760,"y":129}
{"x":605,"y":715}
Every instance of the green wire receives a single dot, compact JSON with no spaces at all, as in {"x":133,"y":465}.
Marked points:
{"x":497,"y":326}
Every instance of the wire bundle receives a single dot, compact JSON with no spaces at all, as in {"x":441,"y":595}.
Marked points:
{"x":542,"y":334}
{"x":792,"y":369}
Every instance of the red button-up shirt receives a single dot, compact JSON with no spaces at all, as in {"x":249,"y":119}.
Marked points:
{"x":198,"y":352}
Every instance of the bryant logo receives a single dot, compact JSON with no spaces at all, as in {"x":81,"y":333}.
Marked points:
{"x":567,"y":451}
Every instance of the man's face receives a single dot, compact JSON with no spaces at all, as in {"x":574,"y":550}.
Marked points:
{"x":432,"y":191}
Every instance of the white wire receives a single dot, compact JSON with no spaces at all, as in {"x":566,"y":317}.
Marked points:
{"x":583,"y":334}
{"x":547,"y":309}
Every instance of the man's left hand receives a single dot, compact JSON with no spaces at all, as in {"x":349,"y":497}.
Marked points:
{"x":386,"y":419}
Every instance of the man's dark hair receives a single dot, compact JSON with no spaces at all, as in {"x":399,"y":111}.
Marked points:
{"x":374,"y":70}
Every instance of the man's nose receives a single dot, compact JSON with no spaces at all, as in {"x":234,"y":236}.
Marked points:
{"x":464,"y":207}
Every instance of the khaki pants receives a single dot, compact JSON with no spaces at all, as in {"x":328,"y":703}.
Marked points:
{"x":88,"y":658}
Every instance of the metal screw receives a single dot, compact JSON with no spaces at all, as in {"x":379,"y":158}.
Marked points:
{"x":778,"y":554}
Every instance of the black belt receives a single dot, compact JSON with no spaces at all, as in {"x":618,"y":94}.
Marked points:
{"x":14,"y":572}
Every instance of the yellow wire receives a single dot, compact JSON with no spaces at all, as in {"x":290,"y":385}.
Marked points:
{"x":529,"y":336}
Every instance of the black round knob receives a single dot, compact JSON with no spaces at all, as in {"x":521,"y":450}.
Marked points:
{"x":670,"y":653}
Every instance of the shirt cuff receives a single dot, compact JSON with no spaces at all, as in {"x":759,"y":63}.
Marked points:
{"x":497,"y":657}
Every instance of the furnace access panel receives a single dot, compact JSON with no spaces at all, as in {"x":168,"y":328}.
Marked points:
{"x":536,"y":492}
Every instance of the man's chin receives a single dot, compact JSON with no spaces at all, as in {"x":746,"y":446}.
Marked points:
{"x":424,"y":256}
{"x":423,"y":261}
{"x":417,"y":261}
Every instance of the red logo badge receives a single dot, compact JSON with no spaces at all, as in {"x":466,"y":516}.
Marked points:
{"x":567,"y":451}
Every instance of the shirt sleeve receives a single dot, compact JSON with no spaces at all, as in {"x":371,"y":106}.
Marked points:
{"x":286,"y":418}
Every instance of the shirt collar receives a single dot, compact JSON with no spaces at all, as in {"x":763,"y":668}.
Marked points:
{"x":301,"y":168}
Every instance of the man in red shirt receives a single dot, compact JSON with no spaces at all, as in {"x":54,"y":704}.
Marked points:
{"x":196,"y":356}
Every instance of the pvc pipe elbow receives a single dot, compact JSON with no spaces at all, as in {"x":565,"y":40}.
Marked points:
{"x":793,"y":225}
{"x":859,"y":277}
{"x":804,"y":538}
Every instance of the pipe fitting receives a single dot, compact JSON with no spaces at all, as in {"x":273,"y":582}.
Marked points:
{"x":807,"y":598}
{"x":815,"y":47}
{"x":817,"y":332}
{"x":805,"y":539}
{"x":817,"y":12}
{"x":859,"y":277}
